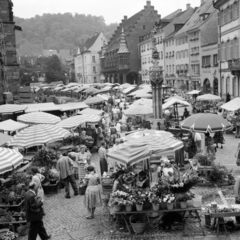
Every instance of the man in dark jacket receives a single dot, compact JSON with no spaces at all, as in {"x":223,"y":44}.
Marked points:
{"x":34,"y":214}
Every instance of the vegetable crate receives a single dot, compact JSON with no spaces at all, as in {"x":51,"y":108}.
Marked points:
{"x":107,"y":185}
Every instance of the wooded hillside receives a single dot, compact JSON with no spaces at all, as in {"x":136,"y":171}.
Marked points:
{"x":61,"y":31}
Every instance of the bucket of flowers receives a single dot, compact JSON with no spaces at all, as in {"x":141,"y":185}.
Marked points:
{"x":118,"y":199}
{"x":53,"y":176}
{"x":140,"y":198}
{"x":154,"y":200}
{"x":129,"y":203}
{"x":169,"y":200}
{"x":182,"y":198}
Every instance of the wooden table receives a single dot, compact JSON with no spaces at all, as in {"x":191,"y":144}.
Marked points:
{"x":16,"y":207}
{"x":13,"y":223}
{"x":220,"y":219}
{"x":192,"y":213}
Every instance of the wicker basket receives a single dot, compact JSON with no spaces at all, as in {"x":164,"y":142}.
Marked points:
{"x":139,"y":222}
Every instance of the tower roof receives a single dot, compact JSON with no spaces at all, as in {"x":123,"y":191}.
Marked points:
{"x":123,"y":44}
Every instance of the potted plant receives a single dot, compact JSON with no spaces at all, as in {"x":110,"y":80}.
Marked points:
{"x":154,"y":200}
{"x":140,"y":198}
{"x":169,"y":199}
{"x":53,"y":176}
{"x":118,"y":199}
{"x":11,"y":197}
{"x":129,"y":203}
{"x":182,"y":199}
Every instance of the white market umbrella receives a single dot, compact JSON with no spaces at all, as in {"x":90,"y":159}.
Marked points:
{"x":208,"y":97}
{"x":91,"y":111}
{"x":193,"y":92}
{"x":142,"y":133}
{"x":11,"y":126}
{"x":174,"y":97}
{"x":94,"y":100}
{"x":75,"y":121}
{"x":12,"y":108}
{"x":233,"y":105}
{"x":138,"y":110}
{"x":37,"y":135}
{"x":143,"y":101}
{"x":38,"y":118}
{"x":9,"y":159}
{"x":175,"y":102}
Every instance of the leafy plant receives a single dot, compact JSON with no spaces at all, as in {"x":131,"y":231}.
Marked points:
{"x":44,"y":158}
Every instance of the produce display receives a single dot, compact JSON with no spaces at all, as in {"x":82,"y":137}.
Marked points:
{"x":10,"y":216}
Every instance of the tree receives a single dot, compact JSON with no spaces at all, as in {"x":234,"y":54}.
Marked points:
{"x":54,"y":70}
{"x":27,"y":71}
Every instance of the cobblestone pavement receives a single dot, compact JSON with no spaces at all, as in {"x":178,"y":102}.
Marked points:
{"x":65,"y":218}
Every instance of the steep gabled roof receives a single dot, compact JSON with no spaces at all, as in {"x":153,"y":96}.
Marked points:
{"x":173,"y":14}
{"x":195,"y":17}
{"x":84,"y":47}
{"x":126,"y":25}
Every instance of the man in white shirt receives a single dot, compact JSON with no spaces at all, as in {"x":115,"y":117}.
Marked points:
{"x":198,"y":140}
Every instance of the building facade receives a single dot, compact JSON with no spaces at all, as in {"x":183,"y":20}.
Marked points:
{"x":9,"y":67}
{"x":228,"y":45}
{"x":210,"y":69}
{"x":125,"y":65}
{"x":87,"y":60}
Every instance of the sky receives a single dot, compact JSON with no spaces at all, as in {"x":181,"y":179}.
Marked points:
{"x":112,"y":10}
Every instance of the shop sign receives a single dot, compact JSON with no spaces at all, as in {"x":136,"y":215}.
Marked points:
{"x":155,"y":55}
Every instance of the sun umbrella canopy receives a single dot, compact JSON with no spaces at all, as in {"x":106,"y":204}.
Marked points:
{"x":12,"y":108}
{"x":37,"y":135}
{"x":143,"y":101}
{"x":4,"y":138}
{"x":129,"y":89}
{"x":130,"y":154}
{"x":157,"y":144}
{"x":11,"y":126}
{"x":193,"y":92}
{"x":91,"y":111}
{"x":75,"y":121}
{"x":233,"y":105}
{"x":139,"y":110}
{"x":72,"y":106}
{"x":177,"y":102}
{"x":94,"y":100}
{"x":143,"y":95}
{"x":41,"y":107}
{"x":91,"y":90}
{"x":9,"y":159}
{"x":38,"y":118}
{"x":174,"y":97}
{"x":143,"y":133}
{"x":209,"y":97}
{"x":205,"y":122}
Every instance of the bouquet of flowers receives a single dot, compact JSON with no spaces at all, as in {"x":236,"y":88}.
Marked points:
{"x":119,"y":198}
{"x":130,"y":200}
{"x":153,"y":198}
{"x":54,"y":174}
{"x":140,"y":197}
{"x":169,"y":198}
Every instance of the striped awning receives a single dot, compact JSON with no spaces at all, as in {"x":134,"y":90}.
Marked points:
{"x":37,"y":135}
{"x":75,"y":121}
{"x":158,"y":145}
{"x":130,"y":154}
{"x":12,"y":108}
{"x":9,"y":159}
{"x":38,"y":118}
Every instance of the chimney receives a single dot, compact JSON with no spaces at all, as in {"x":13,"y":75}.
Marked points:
{"x":202,"y":2}
{"x":125,"y":17}
{"x":188,"y":6}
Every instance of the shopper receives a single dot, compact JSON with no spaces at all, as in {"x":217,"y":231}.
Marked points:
{"x":65,"y":168}
{"x":34,"y":213}
{"x":103,"y":162}
{"x":38,"y":178}
{"x":92,"y":195}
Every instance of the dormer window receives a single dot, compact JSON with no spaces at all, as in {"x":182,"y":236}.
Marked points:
{"x":204,"y":16}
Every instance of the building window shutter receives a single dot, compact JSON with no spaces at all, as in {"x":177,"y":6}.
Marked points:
{"x":230,"y":13}
{"x":219,"y":51}
{"x":226,"y":50}
{"x":231,"y":49}
{"x":236,"y":40}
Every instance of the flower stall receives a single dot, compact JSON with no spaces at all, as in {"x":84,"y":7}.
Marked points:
{"x":170,"y":194}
